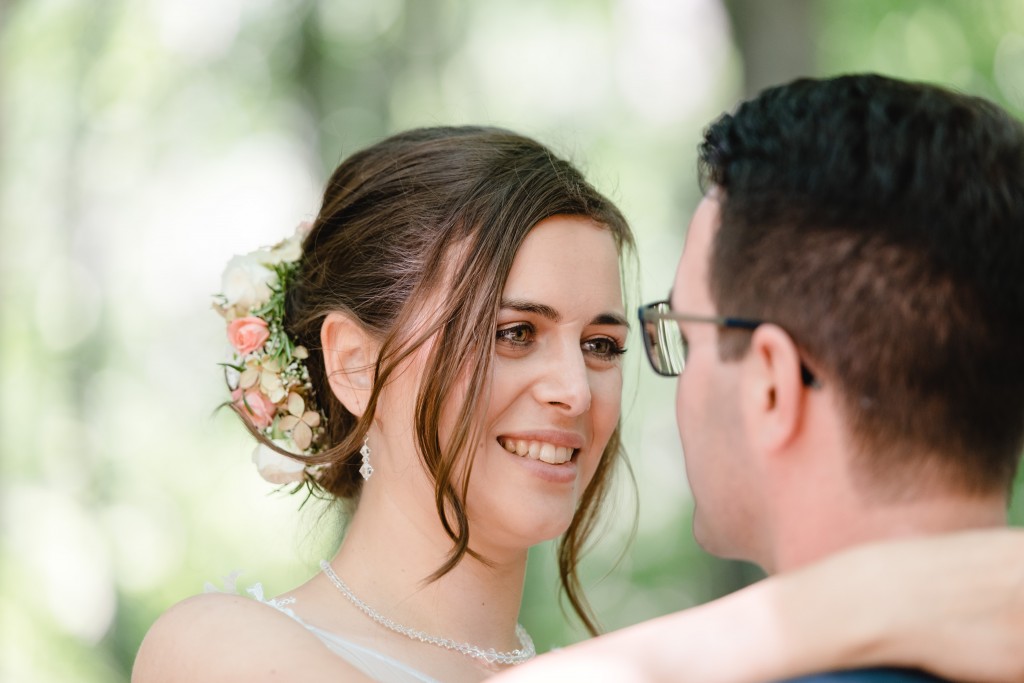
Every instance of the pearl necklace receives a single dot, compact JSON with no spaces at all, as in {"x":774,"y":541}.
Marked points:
{"x":491,"y":656}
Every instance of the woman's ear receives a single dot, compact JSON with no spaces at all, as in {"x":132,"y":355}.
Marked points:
{"x":350,"y":354}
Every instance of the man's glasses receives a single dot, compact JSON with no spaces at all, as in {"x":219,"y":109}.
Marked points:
{"x":667,"y":348}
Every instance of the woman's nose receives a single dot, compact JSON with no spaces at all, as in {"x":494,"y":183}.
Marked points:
{"x":565,"y":382}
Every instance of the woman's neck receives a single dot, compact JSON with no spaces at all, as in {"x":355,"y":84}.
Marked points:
{"x":391,"y":549}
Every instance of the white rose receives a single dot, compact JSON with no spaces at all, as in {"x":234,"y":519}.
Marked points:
{"x":289,"y":250}
{"x":277,"y":468}
{"x":246,"y":282}
{"x":285,"y":252}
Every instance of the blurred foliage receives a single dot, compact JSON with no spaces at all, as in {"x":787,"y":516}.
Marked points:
{"x":142,"y":144}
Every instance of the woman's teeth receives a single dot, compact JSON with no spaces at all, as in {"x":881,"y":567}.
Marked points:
{"x":538,"y":450}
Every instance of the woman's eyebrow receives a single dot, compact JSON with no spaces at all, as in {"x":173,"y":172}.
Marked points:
{"x":610,"y":319}
{"x":524,"y":306}
{"x":551,"y":314}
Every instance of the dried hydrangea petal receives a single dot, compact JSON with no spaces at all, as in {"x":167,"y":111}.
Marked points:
{"x":296,"y":406}
{"x":249,"y":378}
{"x":302,"y":435}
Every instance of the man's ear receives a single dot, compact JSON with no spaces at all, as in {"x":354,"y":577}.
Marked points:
{"x":773,"y":391}
{"x":350,"y":354}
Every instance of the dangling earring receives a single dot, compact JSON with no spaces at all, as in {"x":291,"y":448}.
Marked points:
{"x":367,"y":469}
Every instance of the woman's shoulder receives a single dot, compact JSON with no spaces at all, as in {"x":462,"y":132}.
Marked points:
{"x":228,"y":637}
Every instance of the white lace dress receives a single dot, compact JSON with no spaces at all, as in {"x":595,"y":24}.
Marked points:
{"x":376,"y":665}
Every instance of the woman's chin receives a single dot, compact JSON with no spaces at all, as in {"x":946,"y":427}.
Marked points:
{"x":527,"y":530}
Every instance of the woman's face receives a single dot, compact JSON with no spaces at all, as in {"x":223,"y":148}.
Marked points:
{"x":556,"y":387}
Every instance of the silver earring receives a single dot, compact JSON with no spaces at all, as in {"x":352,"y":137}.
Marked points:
{"x":366,"y":469}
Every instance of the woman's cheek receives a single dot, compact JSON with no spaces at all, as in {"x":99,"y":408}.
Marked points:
{"x":607,"y":397}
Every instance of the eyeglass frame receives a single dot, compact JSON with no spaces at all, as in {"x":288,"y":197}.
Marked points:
{"x":647,"y":313}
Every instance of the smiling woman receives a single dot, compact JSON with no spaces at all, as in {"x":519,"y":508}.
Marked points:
{"x":430,"y":356}
{"x":440,"y":350}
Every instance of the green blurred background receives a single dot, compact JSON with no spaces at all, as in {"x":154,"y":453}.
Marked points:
{"x":144,"y":143}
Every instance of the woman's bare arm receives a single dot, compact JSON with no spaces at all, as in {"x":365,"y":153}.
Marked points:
{"x":953,"y":605}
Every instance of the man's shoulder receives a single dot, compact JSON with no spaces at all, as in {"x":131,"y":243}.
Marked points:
{"x":877,"y":675}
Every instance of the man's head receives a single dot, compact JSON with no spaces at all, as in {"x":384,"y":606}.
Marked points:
{"x":879,"y":225}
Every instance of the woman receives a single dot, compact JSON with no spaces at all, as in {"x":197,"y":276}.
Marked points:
{"x":443,"y":354}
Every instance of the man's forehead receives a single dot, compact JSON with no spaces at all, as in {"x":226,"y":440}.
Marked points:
{"x":692,"y":273}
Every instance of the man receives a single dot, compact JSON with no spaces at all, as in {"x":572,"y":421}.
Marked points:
{"x":850,"y":318}
{"x":849,"y":308}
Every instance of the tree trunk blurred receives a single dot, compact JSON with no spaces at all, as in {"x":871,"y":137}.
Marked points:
{"x":775,"y":40}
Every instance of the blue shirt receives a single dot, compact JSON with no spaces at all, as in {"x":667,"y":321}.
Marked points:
{"x":886,"y":675}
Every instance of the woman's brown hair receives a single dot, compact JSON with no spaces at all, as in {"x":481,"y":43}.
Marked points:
{"x":391,"y":214}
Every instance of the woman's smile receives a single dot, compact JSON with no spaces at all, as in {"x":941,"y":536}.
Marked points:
{"x":538,"y":450}
{"x":552,"y":446}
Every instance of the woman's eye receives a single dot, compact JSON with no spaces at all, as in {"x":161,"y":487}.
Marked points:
{"x":519,"y":334}
{"x":603,"y":347}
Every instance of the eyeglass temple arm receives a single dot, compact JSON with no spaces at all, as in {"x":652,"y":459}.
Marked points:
{"x":806,"y":376}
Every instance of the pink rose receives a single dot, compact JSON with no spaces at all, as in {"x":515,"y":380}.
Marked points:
{"x":253,"y":404}
{"x":247,"y":334}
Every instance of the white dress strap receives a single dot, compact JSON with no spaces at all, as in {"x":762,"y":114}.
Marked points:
{"x":374,"y":664}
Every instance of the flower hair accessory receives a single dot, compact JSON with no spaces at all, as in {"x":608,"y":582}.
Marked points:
{"x":266,"y":371}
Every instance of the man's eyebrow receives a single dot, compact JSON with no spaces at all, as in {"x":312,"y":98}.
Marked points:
{"x":551,"y":314}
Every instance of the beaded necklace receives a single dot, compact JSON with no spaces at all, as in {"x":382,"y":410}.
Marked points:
{"x":525,"y":652}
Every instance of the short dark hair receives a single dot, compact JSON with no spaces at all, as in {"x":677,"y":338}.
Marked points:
{"x":881,"y":223}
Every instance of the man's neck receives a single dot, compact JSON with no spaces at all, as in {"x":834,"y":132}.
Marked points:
{"x":802,"y":537}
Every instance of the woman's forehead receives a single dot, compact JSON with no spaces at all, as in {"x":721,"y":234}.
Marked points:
{"x":570,"y":260}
